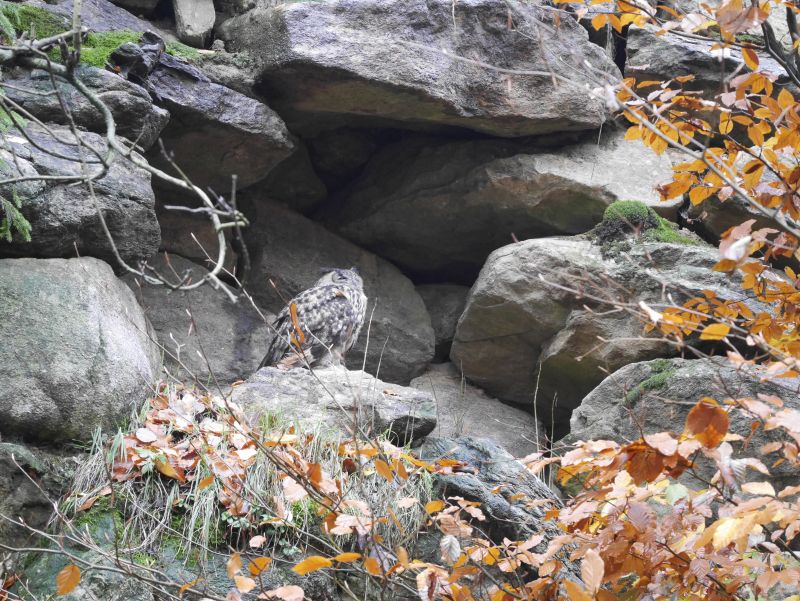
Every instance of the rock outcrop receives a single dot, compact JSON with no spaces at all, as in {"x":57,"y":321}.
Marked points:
{"x":63,"y":216}
{"x":288,"y":253}
{"x":663,"y":57}
{"x":398,"y":62}
{"x":516,"y":323}
{"x":80,"y":353}
{"x":215,"y":132}
{"x":137,"y":118}
{"x":194,"y":20}
{"x":438,"y":209}
{"x":351,"y":402}
{"x":656,"y":396}
{"x":463,"y":410}
{"x":206,"y":337}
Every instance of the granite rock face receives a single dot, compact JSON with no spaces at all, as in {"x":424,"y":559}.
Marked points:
{"x":82,"y":354}
{"x":395,"y":62}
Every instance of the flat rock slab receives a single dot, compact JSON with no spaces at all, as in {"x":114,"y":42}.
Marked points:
{"x":516,"y":323}
{"x":289,"y":252}
{"x":350,"y":401}
{"x":464,"y":410}
{"x":78,"y":351}
{"x":399,"y":62}
{"x":63,"y":216}
{"x":438,"y":209}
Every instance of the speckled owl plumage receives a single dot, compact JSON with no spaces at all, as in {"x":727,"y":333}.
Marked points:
{"x":330,"y":315}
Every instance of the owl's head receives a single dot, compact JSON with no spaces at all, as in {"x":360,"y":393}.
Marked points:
{"x":342,"y":277}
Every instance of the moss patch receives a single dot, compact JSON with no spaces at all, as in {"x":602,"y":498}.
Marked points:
{"x":97,"y":47}
{"x":39,"y":23}
{"x":183,"y":51}
{"x":661,"y":371}
{"x":625,"y":218}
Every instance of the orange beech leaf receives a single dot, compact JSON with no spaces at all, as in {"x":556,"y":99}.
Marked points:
{"x":258,"y":565}
{"x":373,"y":566}
{"x":188,"y":585}
{"x":716,"y":331}
{"x":67,"y":579}
{"x":312,"y":564}
{"x":384,"y":469}
{"x":707,"y":422}
{"x":347,"y":557}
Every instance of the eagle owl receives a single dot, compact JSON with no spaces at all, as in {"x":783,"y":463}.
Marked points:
{"x":320,"y":324}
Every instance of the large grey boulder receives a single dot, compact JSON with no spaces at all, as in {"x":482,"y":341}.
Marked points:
{"x":349,"y":401}
{"x":663,"y":57}
{"x":464,"y":410}
{"x":289,"y":252}
{"x":516,"y":323}
{"x":137,"y":7}
{"x":445,"y":303}
{"x":398,"y":62}
{"x":78,"y":352}
{"x":439,"y":209}
{"x":137,"y":118}
{"x":214,"y":131}
{"x":63,"y":216}
{"x":194,"y":20}
{"x":656,"y":396}
{"x":205,"y":335}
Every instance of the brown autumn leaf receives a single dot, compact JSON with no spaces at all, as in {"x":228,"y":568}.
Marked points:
{"x":234,"y":565}
{"x":434,"y":506}
{"x":662,"y":442}
{"x":258,"y":565}
{"x":575,"y":592}
{"x":188,"y":585}
{"x":715,"y":331}
{"x":707,"y":422}
{"x":257,"y":541}
{"x":373,"y":566}
{"x":592,"y":571}
{"x":205,"y":482}
{"x":67,"y":579}
{"x":312,"y":564}
{"x":384,"y":469}
{"x":347,"y":557}
{"x":243,"y":583}
{"x":284,"y":593}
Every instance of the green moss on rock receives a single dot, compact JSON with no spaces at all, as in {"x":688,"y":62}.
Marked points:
{"x":661,"y":371}
{"x":625,"y":218}
{"x":97,"y":47}
{"x":36,"y":21}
